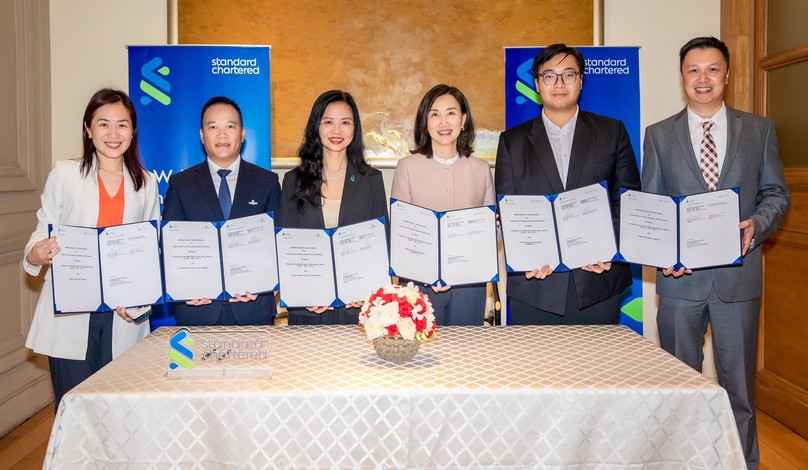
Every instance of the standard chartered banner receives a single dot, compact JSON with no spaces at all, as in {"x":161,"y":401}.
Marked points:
{"x":611,"y":88}
{"x":170,"y":84}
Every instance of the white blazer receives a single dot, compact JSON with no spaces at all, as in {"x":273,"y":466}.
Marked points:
{"x":71,"y":199}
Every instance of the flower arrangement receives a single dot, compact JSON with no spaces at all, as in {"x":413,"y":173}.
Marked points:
{"x":395,"y":310}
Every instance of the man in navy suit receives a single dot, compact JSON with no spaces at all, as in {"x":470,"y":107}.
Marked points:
{"x":566,"y":148}
{"x":220,"y":188}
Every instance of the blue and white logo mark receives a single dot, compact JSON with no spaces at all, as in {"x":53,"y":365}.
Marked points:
{"x":525,"y":84}
{"x":159,"y":87}
{"x":179,"y":353}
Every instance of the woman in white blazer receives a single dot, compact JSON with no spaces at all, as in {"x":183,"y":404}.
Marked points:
{"x":107,"y":186}
{"x":442,"y":175}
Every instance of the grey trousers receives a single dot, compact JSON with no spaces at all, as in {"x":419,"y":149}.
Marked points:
{"x":682,"y":325}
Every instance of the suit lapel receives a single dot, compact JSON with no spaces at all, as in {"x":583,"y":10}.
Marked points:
{"x":544,"y":153}
{"x":352,"y":179}
{"x":582,"y":150}
{"x":207,"y":190}
{"x":680,"y":126}
{"x":734,"y":129}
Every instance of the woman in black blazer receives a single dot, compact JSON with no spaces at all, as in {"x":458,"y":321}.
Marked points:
{"x":333,"y":186}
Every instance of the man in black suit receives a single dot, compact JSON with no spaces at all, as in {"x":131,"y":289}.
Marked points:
{"x":220,"y":188}
{"x":563,"y":149}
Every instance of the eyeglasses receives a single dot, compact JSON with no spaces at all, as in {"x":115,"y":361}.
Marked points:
{"x":551,"y":78}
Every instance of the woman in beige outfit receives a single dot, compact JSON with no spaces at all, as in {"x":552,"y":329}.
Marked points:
{"x":442,"y":175}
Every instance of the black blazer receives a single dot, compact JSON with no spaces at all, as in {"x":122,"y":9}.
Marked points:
{"x":363,"y":199}
{"x":191,"y":196}
{"x":601,"y":151}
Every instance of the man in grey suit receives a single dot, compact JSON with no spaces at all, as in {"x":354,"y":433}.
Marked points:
{"x":709,"y":146}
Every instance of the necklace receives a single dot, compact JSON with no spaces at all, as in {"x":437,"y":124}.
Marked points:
{"x":333,"y":176}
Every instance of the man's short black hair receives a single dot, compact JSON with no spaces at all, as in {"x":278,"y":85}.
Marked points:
{"x":704,"y":43}
{"x":219,"y":100}
{"x":553,"y":50}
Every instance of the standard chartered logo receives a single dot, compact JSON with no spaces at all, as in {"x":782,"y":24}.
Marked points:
{"x":179,"y":353}
{"x":525,"y":84}
{"x":155,"y":86}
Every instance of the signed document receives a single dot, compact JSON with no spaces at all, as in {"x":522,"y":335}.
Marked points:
{"x":99,"y":269}
{"x":696,"y":231}
{"x":447,"y":248}
{"x":130,"y":265}
{"x":360,"y":260}
{"x":708,"y":229}
{"x":76,"y":271}
{"x":191,"y":260}
{"x":528,"y":232}
{"x":648,"y":229}
{"x":248,"y":255}
{"x":468,"y":246}
{"x":565,"y":231}
{"x":414,"y":243}
{"x":332,"y":267}
{"x":305,"y":267}
{"x":585,"y":230}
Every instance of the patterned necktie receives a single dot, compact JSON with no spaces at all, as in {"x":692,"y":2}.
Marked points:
{"x":709,"y":157}
{"x":224,"y":194}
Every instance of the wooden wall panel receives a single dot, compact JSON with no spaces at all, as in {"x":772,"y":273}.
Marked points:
{"x":25,"y":159}
{"x":387,"y":54}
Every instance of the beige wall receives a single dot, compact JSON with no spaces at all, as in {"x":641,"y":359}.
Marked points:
{"x":88,"y":52}
{"x":660,"y":27}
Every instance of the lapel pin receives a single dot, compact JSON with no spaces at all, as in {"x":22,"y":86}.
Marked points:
{"x":253,"y":203}
{"x":353,"y":178}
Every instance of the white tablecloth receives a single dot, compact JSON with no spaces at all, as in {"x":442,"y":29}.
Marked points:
{"x":477,"y":397}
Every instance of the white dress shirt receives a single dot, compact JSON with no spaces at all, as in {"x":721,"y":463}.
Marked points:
{"x":561,"y":143}
{"x":232,"y":178}
{"x":718,"y":131}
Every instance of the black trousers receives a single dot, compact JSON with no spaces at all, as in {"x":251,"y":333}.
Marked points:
{"x":67,"y":373}
{"x":602,"y":313}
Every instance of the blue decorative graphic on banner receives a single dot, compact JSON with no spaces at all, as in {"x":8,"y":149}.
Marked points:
{"x":153,"y":89}
{"x":170,"y":84}
{"x":611,"y":87}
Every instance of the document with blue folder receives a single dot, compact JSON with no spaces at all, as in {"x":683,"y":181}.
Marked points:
{"x":691,"y":232}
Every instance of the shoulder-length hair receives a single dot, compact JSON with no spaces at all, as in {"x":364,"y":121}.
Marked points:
{"x":423,"y":141}
{"x":309,"y":174}
{"x":131,"y":158}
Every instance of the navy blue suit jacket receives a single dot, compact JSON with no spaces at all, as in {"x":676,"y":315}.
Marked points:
{"x":191,"y":196}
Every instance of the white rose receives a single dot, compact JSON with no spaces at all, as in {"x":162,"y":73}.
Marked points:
{"x":406,"y":328}
{"x":388,"y":314}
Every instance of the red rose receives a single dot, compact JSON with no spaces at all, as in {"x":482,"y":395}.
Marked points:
{"x":392,"y":330}
{"x":388,"y":298}
{"x":405,"y":309}
{"x":420,"y":324}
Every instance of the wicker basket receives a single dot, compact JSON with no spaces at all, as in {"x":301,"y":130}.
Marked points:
{"x":398,"y":349}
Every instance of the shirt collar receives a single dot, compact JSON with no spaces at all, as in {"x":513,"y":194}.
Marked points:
{"x":446,"y":162}
{"x":719,"y":118}
{"x":550,"y":126}
{"x":214,"y":168}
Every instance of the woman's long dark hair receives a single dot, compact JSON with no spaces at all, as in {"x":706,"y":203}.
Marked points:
{"x":131,"y":158}
{"x":423,"y":141}
{"x":309,"y":175}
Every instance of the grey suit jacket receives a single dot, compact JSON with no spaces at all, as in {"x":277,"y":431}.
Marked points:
{"x":752,"y":163}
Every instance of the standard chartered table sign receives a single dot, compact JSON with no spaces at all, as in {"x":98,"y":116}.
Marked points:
{"x":225,"y":354}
